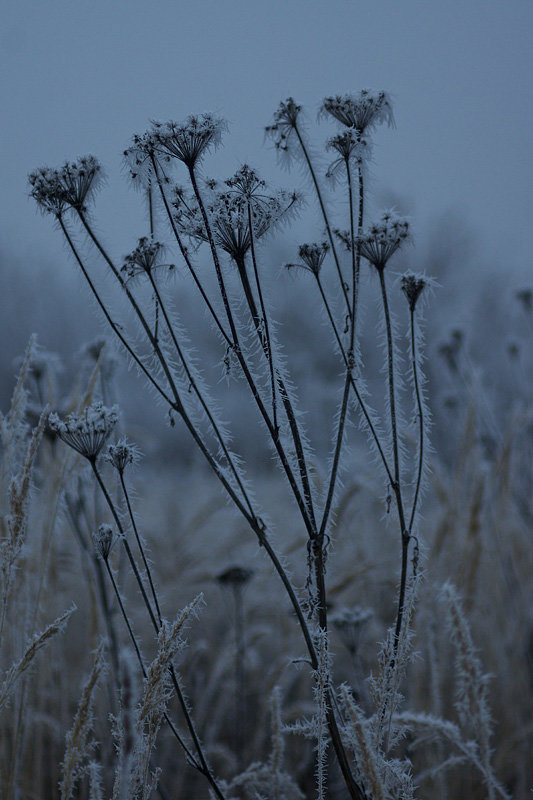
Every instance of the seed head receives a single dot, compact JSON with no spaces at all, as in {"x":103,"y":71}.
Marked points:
{"x":351,"y":148}
{"x":144,"y":260}
{"x":282,"y":130}
{"x":103,"y":541}
{"x":362,"y":111}
{"x":122,"y":454}
{"x":188,"y":141}
{"x":311,"y":257}
{"x":412,"y":287}
{"x":382,"y":239}
{"x":229,"y":211}
{"x":86,"y":432}
{"x":71,"y":186}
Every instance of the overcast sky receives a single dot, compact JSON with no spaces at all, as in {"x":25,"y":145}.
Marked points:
{"x":80,"y":76}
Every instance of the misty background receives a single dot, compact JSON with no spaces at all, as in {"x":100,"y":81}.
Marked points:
{"x":83,"y":77}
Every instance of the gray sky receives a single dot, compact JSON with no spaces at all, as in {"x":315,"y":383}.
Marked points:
{"x":80,"y":76}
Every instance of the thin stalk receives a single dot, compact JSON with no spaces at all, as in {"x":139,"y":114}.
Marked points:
{"x":140,"y":660}
{"x":353,"y":384}
{"x":324,"y":215}
{"x":114,"y":326}
{"x":396,"y":485}
{"x":140,"y":545}
{"x":102,"y":591}
{"x":203,"y":402}
{"x":244,"y":366}
{"x":127,"y":547}
{"x":285,"y":399}
{"x":205,"y":768}
{"x":188,"y":262}
{"x":420,"y":410}
{"x":268,"y":351}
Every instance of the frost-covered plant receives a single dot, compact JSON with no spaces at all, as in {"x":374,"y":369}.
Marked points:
{"x":230,"y":221}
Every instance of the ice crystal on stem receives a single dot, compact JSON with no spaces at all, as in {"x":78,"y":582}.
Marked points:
{"x":86,"y":432}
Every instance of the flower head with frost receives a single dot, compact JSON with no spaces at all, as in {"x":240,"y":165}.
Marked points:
{"x":351,"y":150}
{"x":231,"y":210}
{"x":362,"y":111}
{"x":86,"y":432}
{"x":188,"y":141}
{"x":103,"y":541}
{"x":71,"y":186}
{"x":122,"y":454}
{"x":144,"y":162}
{"x":145,"y":259}
{"x":412,"y":287}
{"x":380,"y":241}
{"x":311,"y":257}
{"x":282,"y":131}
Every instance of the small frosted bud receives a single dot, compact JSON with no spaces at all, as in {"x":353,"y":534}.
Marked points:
{"x":103,"y":541}
{"x":121,"y":454}
{"x":412,"y":287}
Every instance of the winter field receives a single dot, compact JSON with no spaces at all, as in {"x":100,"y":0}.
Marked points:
{"x":267,"y":535}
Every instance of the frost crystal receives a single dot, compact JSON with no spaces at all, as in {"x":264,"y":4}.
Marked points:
{"x":86,"y":432}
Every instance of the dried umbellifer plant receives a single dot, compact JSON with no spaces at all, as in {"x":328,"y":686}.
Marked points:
{"x":231,"y":220}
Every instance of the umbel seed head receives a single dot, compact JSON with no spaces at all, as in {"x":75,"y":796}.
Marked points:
{"x":103,"y":541}
{"x":380,"y":241}
{"x":71,"y":186}
{"x":86,"y":432}
{"x":362,"y":111}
